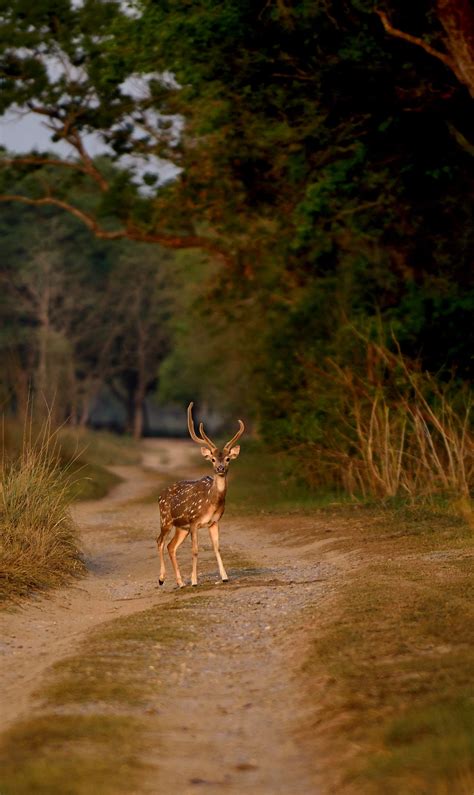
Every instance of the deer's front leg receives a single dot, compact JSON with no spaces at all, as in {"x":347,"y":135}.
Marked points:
{"x":195,"y":540}
{"x":173,"y":545}
{"x":214,"y":534}
{"x":161,"y":542}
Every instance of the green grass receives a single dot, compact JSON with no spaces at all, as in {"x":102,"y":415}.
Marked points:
{"x":72,"y":755}
{"x":87,"y":481}
{"x":98,"y":709}
{"x":430,"y":750}
{"x":86,"y":455}
{"x":115,"y":664}
{"x":262,"y":482}
{"x":395,"y":645}
{"x":100,"y":447}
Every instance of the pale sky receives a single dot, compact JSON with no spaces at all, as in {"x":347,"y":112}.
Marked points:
{"x":22,"y":131}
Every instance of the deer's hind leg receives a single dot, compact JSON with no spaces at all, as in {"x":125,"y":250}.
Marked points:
{"x":165,"y":529}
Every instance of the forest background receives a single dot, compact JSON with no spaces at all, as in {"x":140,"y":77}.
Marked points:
{"x":307,"y":267}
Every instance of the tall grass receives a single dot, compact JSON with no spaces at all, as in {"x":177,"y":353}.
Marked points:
{"x":397,"y":430}
{"x":38,"y":540}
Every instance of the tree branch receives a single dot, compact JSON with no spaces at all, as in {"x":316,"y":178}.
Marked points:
{"x":69,"y":133}
{"x":400,"y":34}
{"x":75,"y":140}
{"x":86,"y":219}
{"x":42,"y":161}
{"x":130,"y":232}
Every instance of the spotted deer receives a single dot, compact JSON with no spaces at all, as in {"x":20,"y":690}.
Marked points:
{"x":191,"y":504}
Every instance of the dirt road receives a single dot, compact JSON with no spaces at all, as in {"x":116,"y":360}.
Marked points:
{"x":231,"y":701}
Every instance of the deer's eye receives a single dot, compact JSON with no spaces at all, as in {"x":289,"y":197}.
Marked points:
{"x":227,"y":460}
{"x":213,"y":460}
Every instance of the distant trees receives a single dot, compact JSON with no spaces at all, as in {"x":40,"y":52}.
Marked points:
{"x":140,"y":300}
{"x":78,"y":315}
{"x":323,"y":158}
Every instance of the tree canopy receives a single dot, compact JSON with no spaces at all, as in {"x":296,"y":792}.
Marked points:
{"x":323,"y":160}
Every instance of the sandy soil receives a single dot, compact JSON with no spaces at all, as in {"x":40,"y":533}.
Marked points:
{"x":230,"y":711}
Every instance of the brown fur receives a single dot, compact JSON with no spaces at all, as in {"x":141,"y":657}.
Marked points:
{"x":191,"y":504}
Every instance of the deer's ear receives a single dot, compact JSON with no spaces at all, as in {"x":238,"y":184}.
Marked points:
{"x":235,"y":451}
{"x":206,"y":453}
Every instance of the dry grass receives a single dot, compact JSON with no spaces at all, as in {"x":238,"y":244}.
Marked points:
{"x":42,"y":472}
{"x":83,"y":454}
{"x":390,"y":671}
{"x":394,"y":430}
{"x":38,"y":541}
{"x":416,"y":442}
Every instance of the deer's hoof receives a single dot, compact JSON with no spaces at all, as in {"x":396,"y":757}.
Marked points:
{"x":161,"y":582}
{"x":225,"y":580}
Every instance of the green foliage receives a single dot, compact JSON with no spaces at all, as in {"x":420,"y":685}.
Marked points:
{"x":332,"y":161}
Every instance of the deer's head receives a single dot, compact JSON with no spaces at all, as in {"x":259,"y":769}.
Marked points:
{"x":220,"y":459}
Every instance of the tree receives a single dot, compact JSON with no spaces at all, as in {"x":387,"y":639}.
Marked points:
{"x":139,"y":302}
{"x":52,"y":307}
{"x":455,"y":21}
{"x":331,"y":161}
{"x":56,"y":63}
{"x":78,"y":315}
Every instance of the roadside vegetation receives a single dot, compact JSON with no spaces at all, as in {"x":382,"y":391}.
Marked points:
{"x":390,"y":670}
{"x":38,"y":541}
{"x":389,"y":429}
{"x":99,"y":711}
{"x":42,"y":473}
{"x":391,"y":649}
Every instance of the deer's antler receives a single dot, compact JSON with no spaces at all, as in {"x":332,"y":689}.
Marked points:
{"x":235,"y":438}
{"x":203,"y":439}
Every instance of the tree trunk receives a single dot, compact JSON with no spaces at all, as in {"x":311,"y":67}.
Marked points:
{"x":138,"y":407}
{"x":85,"y":412}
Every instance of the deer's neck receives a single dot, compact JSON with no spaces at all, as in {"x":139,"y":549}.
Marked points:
{"x":219,"y":487}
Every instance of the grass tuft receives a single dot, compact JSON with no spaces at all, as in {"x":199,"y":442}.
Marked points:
{"x":38,"y":540}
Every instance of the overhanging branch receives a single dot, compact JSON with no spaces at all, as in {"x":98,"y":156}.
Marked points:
{"x":416,"y":40}
{"x":128,"y":233}
{"x":42,"y":161}
{"x":65,"y":128}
